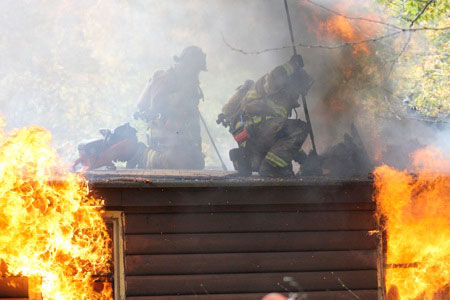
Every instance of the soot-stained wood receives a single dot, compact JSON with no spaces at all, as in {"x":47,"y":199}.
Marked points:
{"x":248,"y":283}
{"x":202,"y":178}
{"x":328,"y":295}
{"x":249,"y":222}
{"x":244,"y":195}
{"x":249,"y":242}
{"x":250,"y":262}
{"x":249,"y":208}
{"x":188,"y":196}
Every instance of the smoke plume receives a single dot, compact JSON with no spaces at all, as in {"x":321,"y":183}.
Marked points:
{"x":75,"y":67}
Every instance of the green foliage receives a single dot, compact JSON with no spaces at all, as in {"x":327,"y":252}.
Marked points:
{"x":409,"y":9}
{"x":422,"y":73}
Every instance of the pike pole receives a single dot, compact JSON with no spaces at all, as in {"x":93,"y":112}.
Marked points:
{"x":305,"y":107}
{"x":224,"y":167}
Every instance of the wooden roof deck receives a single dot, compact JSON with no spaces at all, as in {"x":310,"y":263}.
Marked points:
{"x":203,"y":178}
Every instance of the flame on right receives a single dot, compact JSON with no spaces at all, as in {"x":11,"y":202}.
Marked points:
{"x":415,"y":209}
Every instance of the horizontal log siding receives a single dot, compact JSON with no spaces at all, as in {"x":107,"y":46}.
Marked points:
{"x":259,"y":195}
{"x":184,"y":264}
{"x":249,"y":222}
{"x":249,"y":242}
{"x":329,"y":295}
{"x":223,"y":243}
{"x":248,"y":282}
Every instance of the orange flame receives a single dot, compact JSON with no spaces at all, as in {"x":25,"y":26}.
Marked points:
{"x":338,"y":26}
{"x":50,"y":227}
{"x":343,"y":27}
{"x":417,"y":213}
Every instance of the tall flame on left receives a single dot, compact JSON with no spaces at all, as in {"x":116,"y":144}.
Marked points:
{"x":50,"y":228}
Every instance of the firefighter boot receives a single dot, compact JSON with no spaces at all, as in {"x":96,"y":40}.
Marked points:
{"x":267,"y":169}
{"x":240,"y":162}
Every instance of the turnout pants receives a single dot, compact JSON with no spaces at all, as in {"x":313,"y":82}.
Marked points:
{"x":177,"y":146}
{"x":175,"y":158}
{"x":274,"y":143}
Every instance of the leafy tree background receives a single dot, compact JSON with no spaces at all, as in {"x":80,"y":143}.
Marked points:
{"x":423,"y":70}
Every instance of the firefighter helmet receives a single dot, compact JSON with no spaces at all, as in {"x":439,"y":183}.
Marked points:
{"x":194,"y":56}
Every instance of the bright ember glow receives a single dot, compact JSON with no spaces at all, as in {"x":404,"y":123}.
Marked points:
{"x":50,"y":228}
{"x":417,"y":212}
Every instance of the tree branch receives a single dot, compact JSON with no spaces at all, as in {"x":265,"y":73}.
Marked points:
{"x":381,"y":22}
{"x":303,"y":45}
{"x":421,"y":13}
{"x":354,"y":18}
{"x":391,"y":109}
{"x":394,"y":62}
{"x":409,"y":38}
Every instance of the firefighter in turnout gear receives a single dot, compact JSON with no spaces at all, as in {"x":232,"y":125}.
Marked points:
{"x":258,"y":117}
{"x":169,"y":105}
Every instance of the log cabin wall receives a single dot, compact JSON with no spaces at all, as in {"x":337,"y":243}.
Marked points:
{"x":196,"y":236}
{"x":228,"y":239}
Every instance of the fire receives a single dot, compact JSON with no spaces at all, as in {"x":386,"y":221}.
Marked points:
{"x":51,"y":229}
{"x":417,"y":220}
{"x":340,"y":25}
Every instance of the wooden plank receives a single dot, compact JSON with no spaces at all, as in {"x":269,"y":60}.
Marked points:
{"x":13,"y":287}
{"x":249,"y":222}
{"x":249,"y":242}
{"x":248,"y":208}
{"x":248,"y":283}
{"x":149,"y":173}
{"x":167,"y":177}
{"x":329,"y":295}
{"x":112,"y":196}
{"x":250,"y":262}
{"x":345,"y":193}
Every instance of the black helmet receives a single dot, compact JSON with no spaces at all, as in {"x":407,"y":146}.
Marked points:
{"x":297,"y":61}
{"x":193,"y":55}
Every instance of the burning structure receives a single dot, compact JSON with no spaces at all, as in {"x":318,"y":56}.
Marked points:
{"x":206,"y":234}
{"x":51,"y":230}
{"x":415,"y":209}
{"x":200,"y":235}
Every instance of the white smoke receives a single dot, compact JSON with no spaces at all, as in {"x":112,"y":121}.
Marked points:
{"x":74,"y":67}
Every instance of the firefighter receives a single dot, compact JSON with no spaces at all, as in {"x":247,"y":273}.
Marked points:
{"x":169,"y":105}
{"x":259,"y":118}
